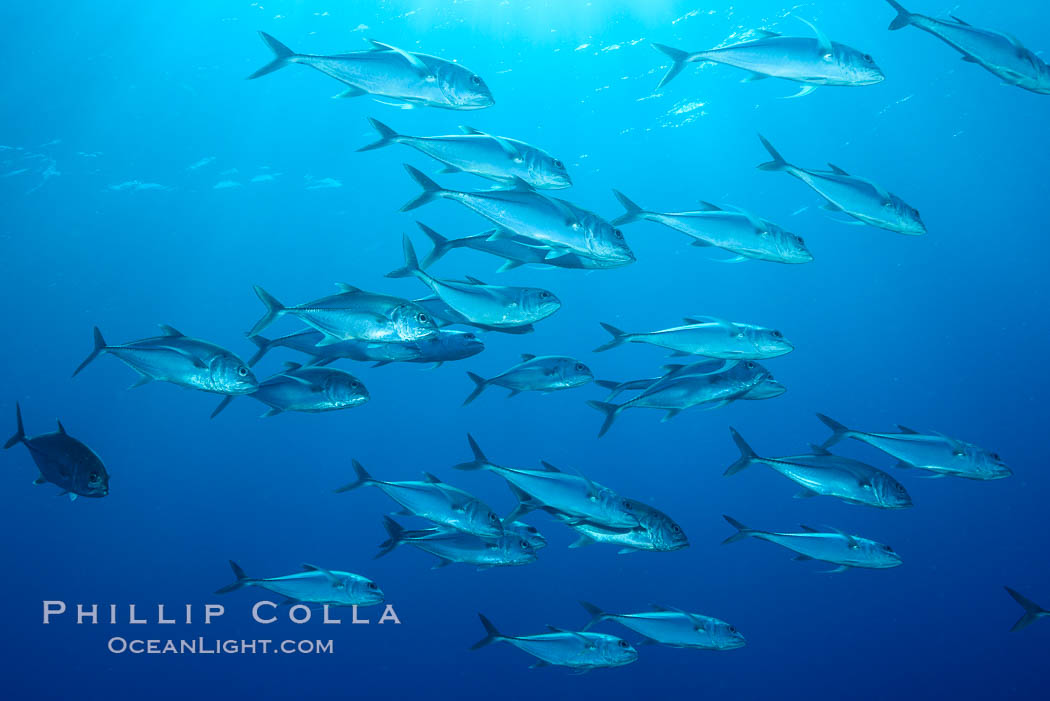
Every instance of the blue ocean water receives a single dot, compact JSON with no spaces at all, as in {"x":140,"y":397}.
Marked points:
{"x":145,"y":181}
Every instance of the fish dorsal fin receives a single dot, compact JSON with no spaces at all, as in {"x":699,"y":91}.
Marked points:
{"x":808,"y":529}
{"x":706,"y":206}
{"x":819,"y":450}
{"x":61,"y":428}
{"x":835,"y":169}
{"x":413,"y":60}
{"x":766,"y":33}
{"x":658,"y":607}
{"x":346,"y":287}
{"x":548,"y":467}
{"x":962,"y":22}
{"x":289,"y":366}
{"x":826,"y":49}
{"x":473,"y":280}
{"x":471,"y":131}
{"x":171,"y":331}
{"x":672,"y":367}
{"x":505,"y":145}
{"x":432,"y":479}
{"x":909,"y":431}
{"x":526,"y":357}
{"x":322,"y":570}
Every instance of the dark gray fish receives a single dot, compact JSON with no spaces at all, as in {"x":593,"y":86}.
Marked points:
{"x":545,"y":373}
{"x":306,"y":389}
{"x":63,"y":461}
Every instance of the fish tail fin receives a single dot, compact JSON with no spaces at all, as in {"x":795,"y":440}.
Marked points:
{"x":679,"y":57}
{"x":387,"y":136}
{"x":20,"y":431}
{"x":442,"y":245}
{"x":273,"y":310}
{"x":222,"y":405}
{"x":742,"y":531}
{"x":903,"y":18}
{"x":243,"y":580}
{"x":397,"y":536}
{"x":430,"y":189}
{"x":611,"y":411}
{"x":480,"y":462}
{"x":618,"y":338}
{"x":263,"y":344}
{"x":480,"y":383}
{"x":282,"y":55}
{"x":1032,"y":610}
{"x":634,"y":212}
{"x":491,"y":634}
{"x":596,"y":614}
{"x":363,"y":478}
{"x":747,"y":455}
{"x":411,"y":261}
{"x":100,"y":345}
{"x":778,"y":162}
{"x":838,"y":431}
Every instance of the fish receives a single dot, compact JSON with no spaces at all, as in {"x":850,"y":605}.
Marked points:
{"x":575,"y":496}
{"x":655,"y":532}
{"x":829,"y":475}
{"x":353,"y":314}
{"x":1032,"y":611}
{"x":769,"y":389}
{"x":63,"y":461}
{"x":565,"y":648}
{"x":545,"y":373}
{"x":813,"y":61}
{"x":513,"y":249}
{"x":306,"y":389}
{"x":733,"y":230}
{"x":529,"y":534}
{"x":937,"y":453}
{"x":710,"y":337}
{"x":314,"y":585}
{"x":999,"y":53}
{"x":676,"y":393}
{"x":411,"y":78}
{"x":489,"y":156}
{"x":857,"y":197}
{"x":446,"y":345}
{"x":673,"y":627}
{"x":838,"y":548}
{"x":445,"y":315}
{"x":176,"y":358}
{"x":452,"y":546}
{"x":352,"y":349}
{"x":524,"y":212}
{"x":491,"y":305}
{"x":435,"y":501}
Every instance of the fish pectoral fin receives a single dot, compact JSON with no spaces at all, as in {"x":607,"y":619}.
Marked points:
{"x":840,"y":568}
{"x":40,"y":480}
{"x":352,"y":91}
{"x":806,"y":494}
{"x":806,"y":90}
{"x":801,"y":558}
{"x":537,"y":665}
{"x":144,"y":380}
{"x":671,"y":413}
{"x":752,"y":77}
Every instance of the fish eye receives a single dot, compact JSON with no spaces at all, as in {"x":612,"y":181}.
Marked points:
{"x":372,"y":586}
{"x":750,"y":365}
{"x":675,"y":529}
{"x":732,"y":629}
{"x":493,"y":517}
{"x":475,"y":79}
{"x":469,"y":336}
{"x":618,"y":234}
{"x":800,"y":240}
{"x":995,"y":456}
{"x":422,"y":318}
{"x":558,"y":164}
{"x":525,"y":545}
{"x":867,"y":57}
{"x":242,"y":371}
{"x":628,"y":505}
{"x":545,"y":294}
{"x":623,"y":644}
{"x":580,"y":367}
{"x":93,"y":477}
{"x":777,"y":334}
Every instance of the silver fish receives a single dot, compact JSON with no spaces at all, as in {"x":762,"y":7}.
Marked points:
{"x":353,"y":349}
{"x":545,"y":373}
{"x":353,"y":314}
{"x":521,"y":211}
{"x":655,"y":532}
{"x":861,"y":199}
{"x":180,"y":360}
{"x":492,"y":157}
{"x":446,"y":345}
{"x":710,"y":337}
{"x":769,"y":389}
{"x":675,"y":393}
{"x":999,"y":53}
{"x":529,"y":534}
{"x":445,"y":316}
{"x":63,"y":461}
{"x":573,"y":495}
{"x":830,"y":475}
{"x":306,"y":389}
{"x":673,"y":627}
{"x":451,"y":546}
{"x":314,"y":585}
{"x":415,"y":79}
{"x":838,"y":548}
{"x":735,"y":231}
{"x":1032,"y":611}
{"x":811,"y":61}
{"x":435,"y":501}
{"x":491,"y":305}
{"x":564,"y":648}
{"x":940,"y":454}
